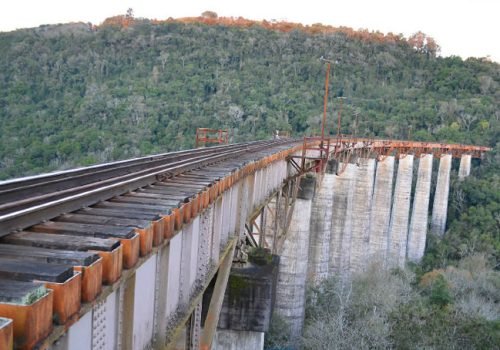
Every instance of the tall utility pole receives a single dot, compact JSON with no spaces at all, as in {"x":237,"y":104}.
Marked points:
{"x":338,"y":119}
{"x":325,"y":101}
{"x":325,"y":149}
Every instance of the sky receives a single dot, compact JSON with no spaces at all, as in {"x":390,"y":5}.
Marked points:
{"x":461,"y":27}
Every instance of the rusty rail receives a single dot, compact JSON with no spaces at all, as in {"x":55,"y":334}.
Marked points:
{"x":54,"y":194}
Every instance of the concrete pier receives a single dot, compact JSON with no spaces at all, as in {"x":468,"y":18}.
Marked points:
{"x":247,"y":307}
{"x":361,"y":209}
{"x":340,"y":241}
{"x":419,"y":218}
{"x":381,"y":210}
{"x":321,"y":225}
{"x":227,"y":339}
{"x":464,"y":169}
{"x":440,"y":206}
{"x":291,"y":286}
{"x":398,"y":227}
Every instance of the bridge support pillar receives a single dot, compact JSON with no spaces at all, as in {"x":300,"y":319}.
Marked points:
{"x":381,"y":210}
{"x":440,"y":206}
{"x":419,"y":219}
{"x":291,"y":286}
{"x":362,"y":200}
{"x":228,"y":339}
{"x":320,"y":227}
{"x":464,"y":169}
{"x":340,"y":240}
{"x":246,"y":310}
{"x":398,"y":227}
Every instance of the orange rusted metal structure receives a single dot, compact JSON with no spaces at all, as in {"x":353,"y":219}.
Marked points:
{"x":6,"y":334}
{"x":91,"y":280}
{"x":344,"y":147}
{"x":32,"y":322}
{"x":206,"y":135}
{"x":67,"y":298}
{"x":383,"y":148}
{"x":112,"y":264}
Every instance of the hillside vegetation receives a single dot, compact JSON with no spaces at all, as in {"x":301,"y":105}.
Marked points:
{"x":77,"y":94}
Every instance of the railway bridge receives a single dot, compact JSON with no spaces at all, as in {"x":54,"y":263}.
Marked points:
{"x":195,"y":249}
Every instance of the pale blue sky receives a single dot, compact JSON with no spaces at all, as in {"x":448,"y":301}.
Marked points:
{"x":461,"y":27}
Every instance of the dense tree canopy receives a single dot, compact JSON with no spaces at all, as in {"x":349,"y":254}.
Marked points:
{"x":76,"y":94}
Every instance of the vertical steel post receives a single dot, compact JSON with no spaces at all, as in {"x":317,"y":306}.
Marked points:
{"x":193,"y":328}
{"x":215,"y":306}
{"x":127,"y":314}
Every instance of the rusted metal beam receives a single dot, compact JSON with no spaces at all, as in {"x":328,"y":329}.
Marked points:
{"x":206,"y":135}
{"x":6,"y":334}
{"x":213,"y":314}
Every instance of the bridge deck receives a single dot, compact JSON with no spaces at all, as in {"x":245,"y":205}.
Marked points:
{"x":95,"y":226}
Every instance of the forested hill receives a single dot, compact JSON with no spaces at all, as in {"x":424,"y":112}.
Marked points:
{"x":75,"y":94}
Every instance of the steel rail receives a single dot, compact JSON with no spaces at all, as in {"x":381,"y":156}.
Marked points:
{"x":28,"y":187}
{"x":125,"y":162}
{"x":26,"y":216}
{"x":31,"y":194}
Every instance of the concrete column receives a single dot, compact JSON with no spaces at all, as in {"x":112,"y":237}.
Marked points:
{"x":464,"y":169}
{"x":398,"y":227}
{"x":362,"y":203}
{"x":320,"y":227}
{"x":291,"y":286}
{"x":440,"y":207}
{"x":381,"y":210}
{"x":340,"y":239}
{"x":228,"y":339}
{"x":419,"y":217}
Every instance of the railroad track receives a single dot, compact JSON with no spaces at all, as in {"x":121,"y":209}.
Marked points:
{"x":74,"y":231}
{"x":26,"y":201}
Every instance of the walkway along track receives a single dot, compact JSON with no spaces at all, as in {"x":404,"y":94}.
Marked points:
{"x":77,"y":230}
